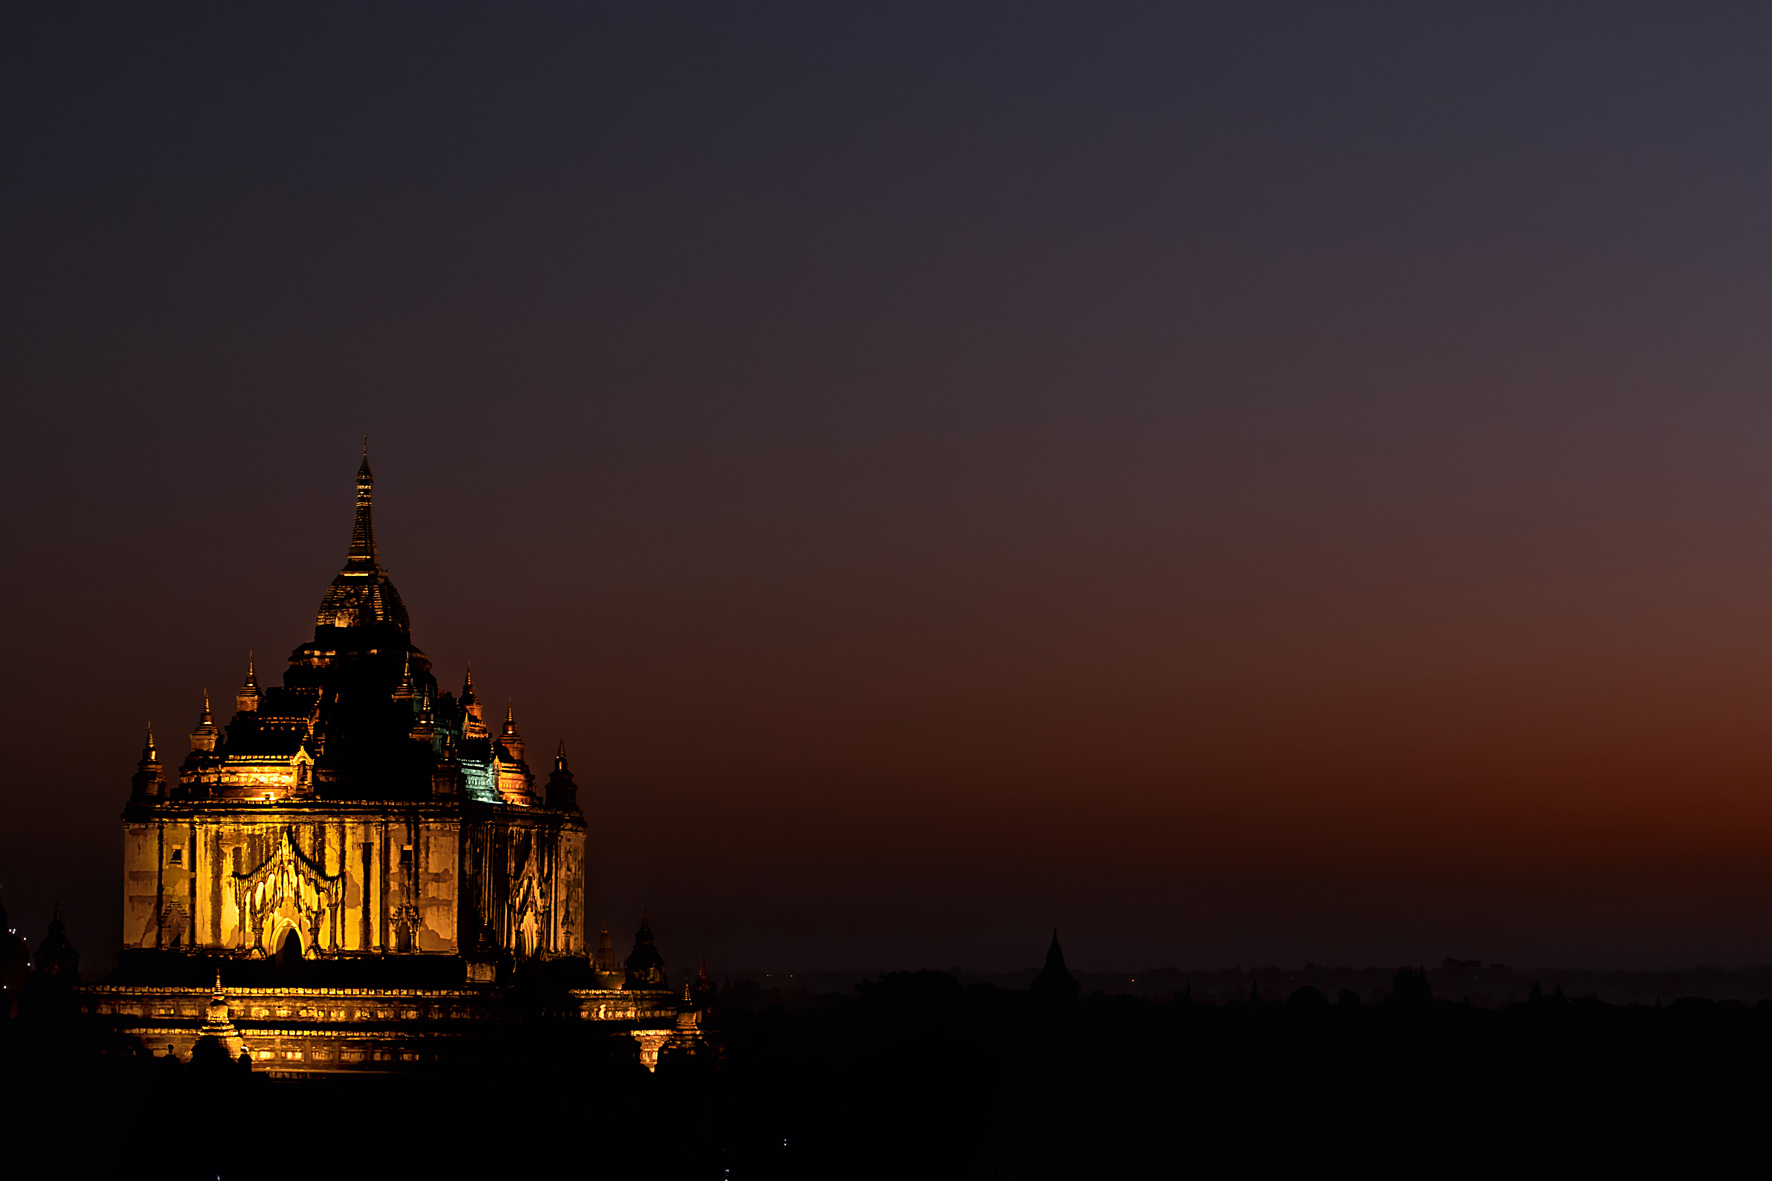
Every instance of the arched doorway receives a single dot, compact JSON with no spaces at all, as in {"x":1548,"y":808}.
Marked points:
{"x":289,"y":955}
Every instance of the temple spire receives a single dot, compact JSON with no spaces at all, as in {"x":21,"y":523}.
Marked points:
{"x":246,"y":697}
{"x":473,"y":723}
{"x":562,"y":791}
{"x":645,"y":966}
{"x":509,"y":738}
{"x":206,"y":735}
{"x":56,"y":957}
{"x":362,"y":596}
{"x":146,"y":781}
{"x":406,"y":690}
{"x":363,"y":530}
{"x":702,"y":993}
{"x":1055,"y":982}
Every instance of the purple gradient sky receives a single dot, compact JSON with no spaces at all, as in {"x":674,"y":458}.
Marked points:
{"x":1244,"y":484}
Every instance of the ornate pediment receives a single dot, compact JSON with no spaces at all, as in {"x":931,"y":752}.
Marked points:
{"x":286,"y":891}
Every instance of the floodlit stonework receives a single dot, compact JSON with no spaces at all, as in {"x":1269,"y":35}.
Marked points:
{"x":373,"y":871}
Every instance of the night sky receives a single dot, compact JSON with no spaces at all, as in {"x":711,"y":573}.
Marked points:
{"x":1242,"y":484}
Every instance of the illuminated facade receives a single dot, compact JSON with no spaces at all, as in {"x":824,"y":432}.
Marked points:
{"x":356,"y":843}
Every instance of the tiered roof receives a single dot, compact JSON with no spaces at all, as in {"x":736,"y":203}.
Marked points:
{"x":359,"y":715}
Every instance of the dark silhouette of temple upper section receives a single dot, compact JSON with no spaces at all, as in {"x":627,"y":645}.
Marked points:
{"x":645,"y":967}
{"x":56,"y":957}
{"x":359,"y":714}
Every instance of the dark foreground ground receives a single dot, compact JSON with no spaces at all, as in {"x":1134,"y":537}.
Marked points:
{"x":917,"y":1076}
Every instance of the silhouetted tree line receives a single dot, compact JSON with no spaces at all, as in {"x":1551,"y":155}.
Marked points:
{"x":915,"y":1074}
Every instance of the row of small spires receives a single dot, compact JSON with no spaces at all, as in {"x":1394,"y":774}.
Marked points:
{"x":151,"y":751}
{"x":247,"y":700}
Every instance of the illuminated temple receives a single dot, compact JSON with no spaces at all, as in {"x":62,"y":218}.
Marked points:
{"x":363,"y":868}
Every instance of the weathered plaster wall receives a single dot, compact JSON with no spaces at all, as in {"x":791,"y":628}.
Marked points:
{"x":345,"y":880}
{"x":354,"y":879}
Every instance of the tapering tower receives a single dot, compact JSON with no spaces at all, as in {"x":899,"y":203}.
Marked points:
{"x":645,"y":967}
{"x":562,"y":790}
{"x":362,"y":597}
{"x":246,"y":698}
{"x":1055,"y":982}
{"x":150,"y":778}
{"x":205,"y":736}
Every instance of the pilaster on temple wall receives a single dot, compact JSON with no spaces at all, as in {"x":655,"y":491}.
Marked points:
{"x":344,"y":879}
{"x":341,"y":880}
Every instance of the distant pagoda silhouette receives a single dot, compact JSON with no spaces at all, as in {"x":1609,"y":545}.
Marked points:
{"x":1055,"y":982}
